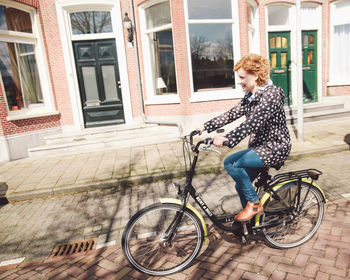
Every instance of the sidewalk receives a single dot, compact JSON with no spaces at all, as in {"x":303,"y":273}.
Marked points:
{"x":33,"y":178}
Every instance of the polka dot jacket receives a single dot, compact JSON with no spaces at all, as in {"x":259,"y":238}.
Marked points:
{"x":265,"y":123}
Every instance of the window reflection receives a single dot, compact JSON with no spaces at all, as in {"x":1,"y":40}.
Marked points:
{"x":158,"y":15}
{"x":164,"y":72}
{"x":209,"y":9}
{"x":91,"y":22}
{"x":212,"y":56}
{"x":15,"y":20}
{"x":161,"y":47}
{"x":19,"y":74}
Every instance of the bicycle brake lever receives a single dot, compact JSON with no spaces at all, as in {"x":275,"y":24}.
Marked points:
{"x":208,"y":148}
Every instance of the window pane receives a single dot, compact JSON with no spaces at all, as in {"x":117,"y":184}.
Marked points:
{"x":278,"y":15}
{"x":209,"y":9}
{"x":109,"y":82}
{"x":283,"y":59}
{"x":341,"y":54}
{"x":158,"y":15}
{"x":164,"y":72}
{"x":212,"y":56}
{"x":311,"y":40}
{"x":20,"y":75}
{"x":273,"y":60}
{"x":272,"y":42}
{"x":284,"y":42}
{"x":91,"y":22}
{"x":310,"y":59}
{"x":90,"y":85}
{"x":15,"y":20}
{"x":278,"y":42}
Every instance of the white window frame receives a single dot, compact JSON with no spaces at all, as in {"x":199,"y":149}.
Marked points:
{"x":253,"y":28}
{"x":215,"y":94}
{"x":335,"y":20}
{"x":34,"y":38}
{"x":64,"y":8}
{"x":151,"y":97}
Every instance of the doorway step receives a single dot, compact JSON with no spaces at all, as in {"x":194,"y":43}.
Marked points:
{"x":329,"y":109}
{"x":104,"y":138}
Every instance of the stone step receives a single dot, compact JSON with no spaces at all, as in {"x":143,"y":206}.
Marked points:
{"x":314,"y":108}
{"x":104,"y":139}
{"x":320,"y":115}
{"x":121,"y":131}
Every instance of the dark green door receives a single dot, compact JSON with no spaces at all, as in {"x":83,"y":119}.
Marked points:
{"x":310,"y":66}
{"x":279,"y":50}
{"x":99,"y":82}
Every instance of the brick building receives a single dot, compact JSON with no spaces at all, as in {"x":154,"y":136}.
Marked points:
{"x":70,"y":65}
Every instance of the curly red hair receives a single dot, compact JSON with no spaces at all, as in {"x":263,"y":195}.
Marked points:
{"x":255,"y":65}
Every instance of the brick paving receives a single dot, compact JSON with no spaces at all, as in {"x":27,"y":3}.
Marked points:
{"x":325,"y":256}
{"x":31,"y":228}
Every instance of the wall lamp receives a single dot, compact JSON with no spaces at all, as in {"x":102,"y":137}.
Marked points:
{"x":128,"y":26}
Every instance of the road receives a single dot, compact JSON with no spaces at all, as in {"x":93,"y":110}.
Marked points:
{"x":31,"y":229}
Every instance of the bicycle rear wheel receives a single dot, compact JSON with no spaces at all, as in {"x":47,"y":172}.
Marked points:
{"x":295,"y":220}
{"x":146,"y":242}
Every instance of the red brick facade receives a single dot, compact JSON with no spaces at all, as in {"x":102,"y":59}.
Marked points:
{"x":58,"y":78}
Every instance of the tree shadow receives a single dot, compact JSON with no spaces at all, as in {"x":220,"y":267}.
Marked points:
{"x":3,"y":190}
{"x":347,"y":139}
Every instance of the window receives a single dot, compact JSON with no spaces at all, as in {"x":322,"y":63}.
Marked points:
{"x":278,"y":15}
{"x":18,"y":65}
{"x":210,"y":25}
{"x":253,"y":33}
{"x":91,"y":22}
{"x":340,"y":43}
{"x":158,"y":51}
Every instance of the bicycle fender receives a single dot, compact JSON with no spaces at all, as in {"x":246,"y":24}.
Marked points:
{"x":266,"y":196}
{"x":194,"y":210}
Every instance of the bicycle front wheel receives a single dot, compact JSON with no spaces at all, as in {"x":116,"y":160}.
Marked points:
{"x":150,"y":247}
{"x":296,"y":218}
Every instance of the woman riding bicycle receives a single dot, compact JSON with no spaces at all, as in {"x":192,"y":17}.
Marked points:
{"x":269,"y":144}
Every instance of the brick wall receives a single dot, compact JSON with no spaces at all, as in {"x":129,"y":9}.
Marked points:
{"x":57,"y":77}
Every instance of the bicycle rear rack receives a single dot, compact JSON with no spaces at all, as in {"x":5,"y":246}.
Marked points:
{"x":314,"y":174}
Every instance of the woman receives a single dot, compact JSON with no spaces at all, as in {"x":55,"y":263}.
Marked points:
{"x":269,"y":143}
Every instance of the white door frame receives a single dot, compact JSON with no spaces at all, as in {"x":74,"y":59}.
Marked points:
{"x":63,"y":8}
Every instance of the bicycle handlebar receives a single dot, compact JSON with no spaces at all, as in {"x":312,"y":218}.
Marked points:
{"x":207,"y":141}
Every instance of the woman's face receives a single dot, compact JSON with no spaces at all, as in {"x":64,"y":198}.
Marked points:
{"x":247,"y":81}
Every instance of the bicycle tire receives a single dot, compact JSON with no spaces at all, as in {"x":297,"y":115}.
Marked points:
{"x":308,"y":215}
{"x":143,"y":240}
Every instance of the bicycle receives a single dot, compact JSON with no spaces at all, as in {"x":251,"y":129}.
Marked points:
{"x":164,"y":238}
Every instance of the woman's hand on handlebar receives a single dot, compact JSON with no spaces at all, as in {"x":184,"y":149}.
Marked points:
{"x":201,"y":129}
{"x":219,"y":141}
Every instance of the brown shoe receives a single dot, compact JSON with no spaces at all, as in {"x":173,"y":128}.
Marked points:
{"x":249,"y":211}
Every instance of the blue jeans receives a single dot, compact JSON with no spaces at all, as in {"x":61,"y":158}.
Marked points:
{"x":244,"y":167}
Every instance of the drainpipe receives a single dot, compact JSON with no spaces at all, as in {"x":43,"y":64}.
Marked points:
{"x":139,"y":84}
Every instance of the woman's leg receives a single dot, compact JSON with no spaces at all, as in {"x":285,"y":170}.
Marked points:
{"x":244,"y":167}
{"x":228,"y":163}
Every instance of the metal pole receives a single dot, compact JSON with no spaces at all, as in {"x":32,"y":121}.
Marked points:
{"x":300,"y":94}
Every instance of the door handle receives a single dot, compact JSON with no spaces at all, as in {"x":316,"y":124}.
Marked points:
{"x":119,"y":84}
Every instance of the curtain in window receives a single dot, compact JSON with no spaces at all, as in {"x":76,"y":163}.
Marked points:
{"x":341,"y":54}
